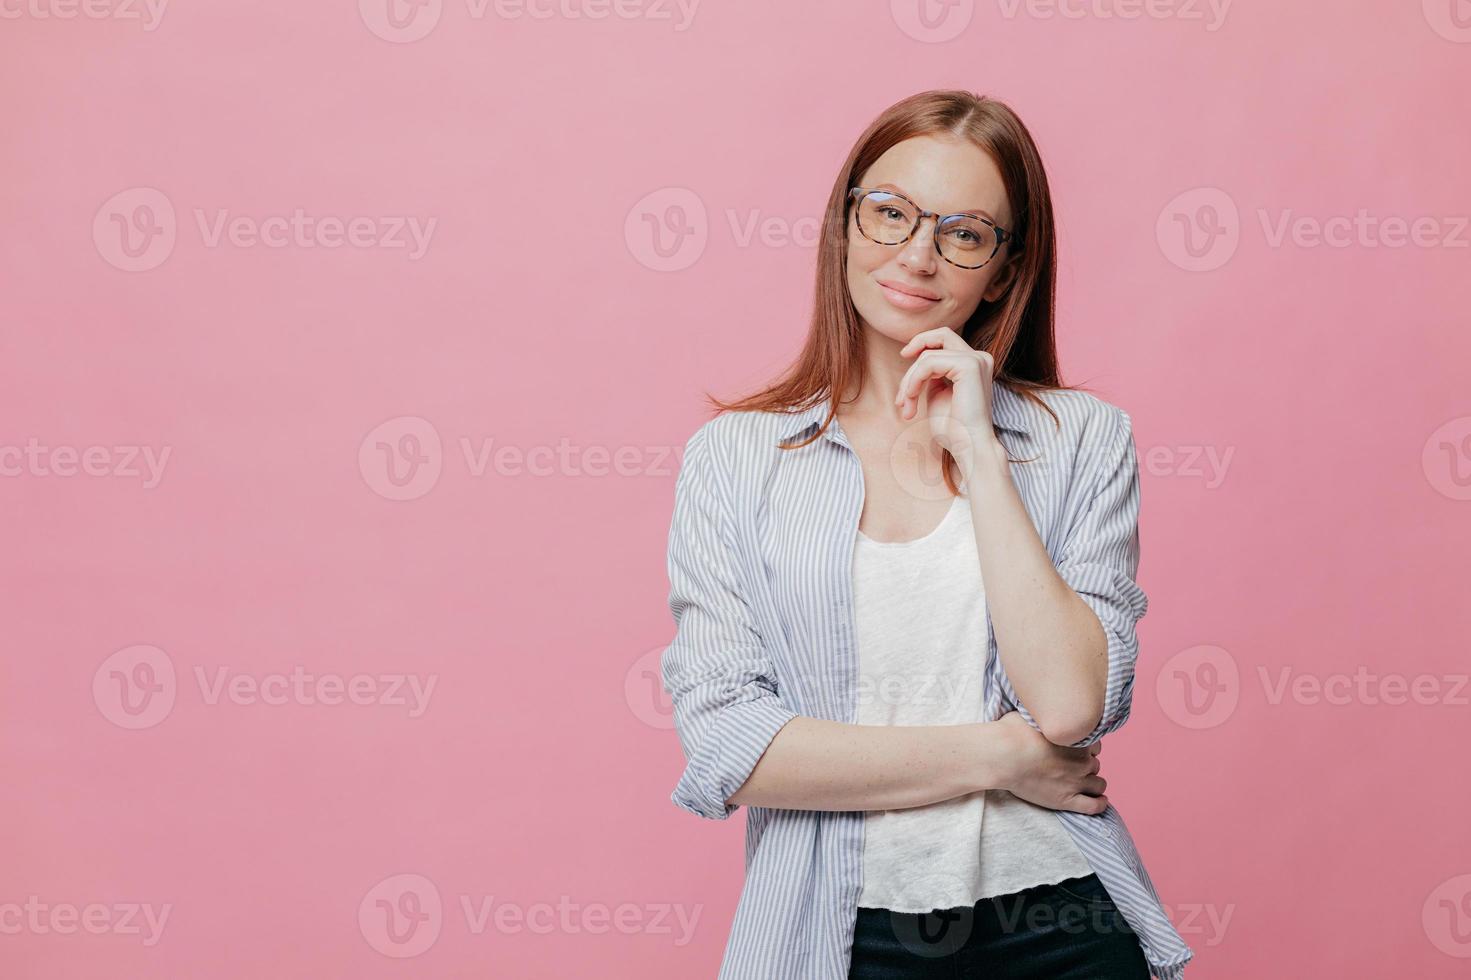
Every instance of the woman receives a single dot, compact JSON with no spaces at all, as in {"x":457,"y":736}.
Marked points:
{"x":902,"y":579}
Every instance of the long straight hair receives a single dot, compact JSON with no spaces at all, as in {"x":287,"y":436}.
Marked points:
{"x":1016,"y":329}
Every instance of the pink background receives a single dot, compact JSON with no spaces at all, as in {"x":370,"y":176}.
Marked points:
{"x":1288,"y":835}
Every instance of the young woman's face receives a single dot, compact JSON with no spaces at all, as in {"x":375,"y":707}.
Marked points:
{"x":947,"y":177}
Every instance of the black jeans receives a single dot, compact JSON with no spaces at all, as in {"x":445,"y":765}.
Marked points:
{"x":1068,"y":931}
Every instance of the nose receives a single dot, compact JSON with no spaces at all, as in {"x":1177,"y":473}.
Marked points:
{"x":918,"y":255}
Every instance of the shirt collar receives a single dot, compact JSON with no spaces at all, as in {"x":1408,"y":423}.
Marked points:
{"x":1008,"y":412}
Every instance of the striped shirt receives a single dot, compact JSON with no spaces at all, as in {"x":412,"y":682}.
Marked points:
{"x":761,"y":591}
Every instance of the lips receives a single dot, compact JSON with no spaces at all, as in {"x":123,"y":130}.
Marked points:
{"x":900,"y":287}
{"x":907,"y":297}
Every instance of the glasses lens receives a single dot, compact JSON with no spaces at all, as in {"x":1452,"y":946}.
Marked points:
{"x":885,"y":218}
{"x":966,"y":241}
{"x":889,"y":219}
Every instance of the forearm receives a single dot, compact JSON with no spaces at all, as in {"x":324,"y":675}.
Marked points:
{"x":1050,"y":642}
{"x":816,"y":764}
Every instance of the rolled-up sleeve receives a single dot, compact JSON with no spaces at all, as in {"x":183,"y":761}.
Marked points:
{"x":1099,"y":560}
{"x":727,"y":703}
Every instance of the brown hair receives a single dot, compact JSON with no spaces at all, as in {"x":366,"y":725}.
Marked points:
{"x":1017,"y":329}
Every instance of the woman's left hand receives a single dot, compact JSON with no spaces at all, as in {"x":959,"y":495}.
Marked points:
{"x":954,"y":381}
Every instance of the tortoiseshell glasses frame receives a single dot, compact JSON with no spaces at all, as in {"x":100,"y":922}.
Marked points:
{"x":857,"y":194}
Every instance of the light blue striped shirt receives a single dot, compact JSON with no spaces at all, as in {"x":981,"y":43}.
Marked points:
{"x":760,"y":571}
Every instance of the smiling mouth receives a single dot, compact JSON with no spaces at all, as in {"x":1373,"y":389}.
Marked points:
{"x":904,"y":300}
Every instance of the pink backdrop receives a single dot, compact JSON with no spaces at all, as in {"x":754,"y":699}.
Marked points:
{"x":348,"y":352}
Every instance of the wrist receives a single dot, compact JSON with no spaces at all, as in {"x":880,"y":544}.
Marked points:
{"x":993,"y":756}
{"x":983,"y":458}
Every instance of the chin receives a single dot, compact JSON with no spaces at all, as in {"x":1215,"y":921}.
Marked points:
{"x":897,"y":327}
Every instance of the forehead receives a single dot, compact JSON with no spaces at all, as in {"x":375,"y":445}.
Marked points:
{"x":942,"y":175}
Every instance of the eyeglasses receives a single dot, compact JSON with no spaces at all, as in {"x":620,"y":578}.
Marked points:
{"x":964,"y":240}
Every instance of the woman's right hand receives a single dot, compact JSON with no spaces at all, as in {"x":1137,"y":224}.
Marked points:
{"x":1057,"y":777}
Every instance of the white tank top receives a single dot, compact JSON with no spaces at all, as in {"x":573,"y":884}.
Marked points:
{"x":921,"y":630}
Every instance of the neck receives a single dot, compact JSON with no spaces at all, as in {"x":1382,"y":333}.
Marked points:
{"x":884,"y":369}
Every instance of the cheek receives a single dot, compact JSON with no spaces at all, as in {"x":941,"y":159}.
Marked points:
{"x":863,"y":259}
{"x":970,"y":294}
{"x":856,"y":271}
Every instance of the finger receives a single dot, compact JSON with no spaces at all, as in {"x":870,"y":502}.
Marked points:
{"x":921,"y":364}
{"x":1086,"y":804}
{"x":941,"y":337}
{"x":918,"y":373}
{"x":1096,"y":747}
{"x":911,"y":407}
{"x":1094,"y":785}
{"x":931,"y":364}
{"x":918,"y":403}
{"x":940,"y":368}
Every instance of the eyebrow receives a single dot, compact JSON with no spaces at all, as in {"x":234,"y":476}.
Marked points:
{"x":980,"y":212}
